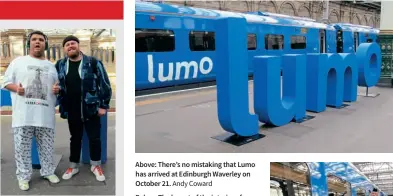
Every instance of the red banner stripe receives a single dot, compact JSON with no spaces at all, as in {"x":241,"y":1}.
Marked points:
{"x":61,"y":10}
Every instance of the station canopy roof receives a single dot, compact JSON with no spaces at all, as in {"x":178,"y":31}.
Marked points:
{"x":361,"y":174}
{"x":379,"y":173}
{"x":344,"y":170}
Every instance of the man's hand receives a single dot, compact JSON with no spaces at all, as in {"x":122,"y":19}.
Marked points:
{"x":101,"y":112}
{"x":20,"y":90}
{"x":56,"y":88}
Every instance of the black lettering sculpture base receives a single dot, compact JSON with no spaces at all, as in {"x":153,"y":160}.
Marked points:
{"x":371,"y":95}
{"x":344,"y":105}
{"x":237,"y":140}
{"x":306,"y":118}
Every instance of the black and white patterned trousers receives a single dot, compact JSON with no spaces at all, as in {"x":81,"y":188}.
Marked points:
{"x":23,"y":137}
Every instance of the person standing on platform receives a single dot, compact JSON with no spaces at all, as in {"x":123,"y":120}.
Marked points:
{"x":30,"y":79}
{"x":375,"y":192}
{"x":84,"y":96}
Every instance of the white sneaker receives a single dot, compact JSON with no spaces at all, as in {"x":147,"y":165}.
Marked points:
{"x":97,"y":170}
{"x":52,"y":178}
{"x":23,"y":185}
{"x":70,"y":172}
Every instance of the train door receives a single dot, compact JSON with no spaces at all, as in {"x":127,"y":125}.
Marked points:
{"x":340,"y":41}
{"x":356,"y":40}
{"x":322,"y":40}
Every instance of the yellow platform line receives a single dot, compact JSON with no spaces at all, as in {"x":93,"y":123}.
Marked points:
{"x":170,"y":98}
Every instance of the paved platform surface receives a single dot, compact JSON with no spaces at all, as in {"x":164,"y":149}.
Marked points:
{"x":186,"y":122}
{"x":83,"y":183}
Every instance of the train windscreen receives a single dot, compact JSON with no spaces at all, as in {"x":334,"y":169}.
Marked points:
{"x":340,"y":42}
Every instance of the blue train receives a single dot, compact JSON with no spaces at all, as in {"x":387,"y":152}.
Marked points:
{"x":175,"y":45}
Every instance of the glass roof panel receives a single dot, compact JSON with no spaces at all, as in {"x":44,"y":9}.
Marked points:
{"x":380,"y":173}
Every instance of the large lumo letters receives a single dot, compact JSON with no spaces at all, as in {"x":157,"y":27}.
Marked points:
{"x":232,"y":78}
{"x":310,"y":81}
{"x":331,"y":79}
{"x":369,"y":61}
{"x":267,"y":89}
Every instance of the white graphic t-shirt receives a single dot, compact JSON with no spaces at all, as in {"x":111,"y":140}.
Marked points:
{"x":37,"y":106}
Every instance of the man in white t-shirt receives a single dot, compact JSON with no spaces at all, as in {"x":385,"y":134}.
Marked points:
{"x":31,"y":79}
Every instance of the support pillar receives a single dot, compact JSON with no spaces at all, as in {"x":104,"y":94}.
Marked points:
{"x":84,"y":41}
{"x":318,"y":179}
{"x":386,"y":44}
{"x":16,"y":39}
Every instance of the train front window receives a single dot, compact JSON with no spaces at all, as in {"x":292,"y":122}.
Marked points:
{"x":154,"y":40}
{"x":355,"y":41}
{"x":202,"y":41}
{"x":340,"y":42}
{"x":298,"y":42}
{"x":252,"y":41}
{"x":322,"y":41}
{"x":274,"y":42}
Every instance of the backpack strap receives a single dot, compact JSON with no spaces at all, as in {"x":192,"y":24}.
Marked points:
{"x":93,"y":62}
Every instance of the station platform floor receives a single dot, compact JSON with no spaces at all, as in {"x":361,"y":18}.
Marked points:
{"x":186,"y":122}
{"x":84,"y":183}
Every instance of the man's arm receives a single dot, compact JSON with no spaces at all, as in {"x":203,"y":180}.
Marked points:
{"x":105,"y":92}
{"x":12,"y":87}
{"x":9,"y":82}
{"x":61,"y":88}
{"x":56,"y":88}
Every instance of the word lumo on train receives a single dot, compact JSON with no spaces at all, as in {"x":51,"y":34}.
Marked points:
{"x":176,"y":45}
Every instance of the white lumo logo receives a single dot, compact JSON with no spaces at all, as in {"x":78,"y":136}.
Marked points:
{"x":179,"y":65}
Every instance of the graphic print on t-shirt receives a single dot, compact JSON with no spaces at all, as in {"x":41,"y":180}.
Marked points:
{"x":37,"y":82}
